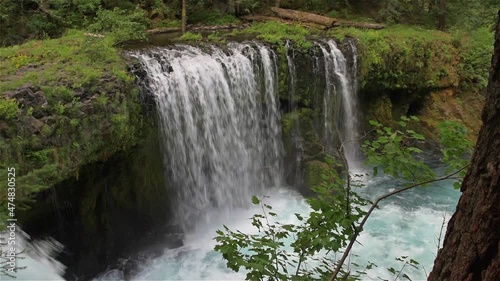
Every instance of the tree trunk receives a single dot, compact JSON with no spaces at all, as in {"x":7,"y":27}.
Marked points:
{"x":441,"y":15}
{"x":471,"y":249}
{"x":184,"y":16}
{"x":231,"y":6}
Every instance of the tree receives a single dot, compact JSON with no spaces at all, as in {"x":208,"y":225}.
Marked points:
{"x":184,"y":17}
{"x":471,"y":249}
{"x":441,"y":15}
{"x":337,"y":217}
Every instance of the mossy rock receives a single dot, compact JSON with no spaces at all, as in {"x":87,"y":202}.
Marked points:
{"x":76,"y":104}
{"x":314,"y":173}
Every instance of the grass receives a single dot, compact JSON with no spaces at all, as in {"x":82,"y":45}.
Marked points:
{"x":74,"y":60}
{"x":72,"y":131}
{"x":190,"y":36}
{"x":277,"y":33}
{"x":403,"y":57}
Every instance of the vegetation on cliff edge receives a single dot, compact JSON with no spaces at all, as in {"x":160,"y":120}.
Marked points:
{"x":65,"y":103}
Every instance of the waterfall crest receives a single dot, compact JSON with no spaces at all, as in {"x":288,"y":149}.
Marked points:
{"x":220,"y":123}
{"x":220,"y":119}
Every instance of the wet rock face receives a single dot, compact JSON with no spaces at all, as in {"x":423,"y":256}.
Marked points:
{"x":113,"y":216}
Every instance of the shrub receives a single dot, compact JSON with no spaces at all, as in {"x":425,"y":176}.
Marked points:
{"x":475,"y":57}
{"x":276,"y":33}
{"x":189,"y":36}
{"x":122,"y":25}
{"x":9,"y":109}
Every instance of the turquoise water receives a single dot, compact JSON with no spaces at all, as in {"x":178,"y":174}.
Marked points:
{"x":405,"y":225}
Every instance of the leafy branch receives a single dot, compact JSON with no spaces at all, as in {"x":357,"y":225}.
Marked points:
{"x":359,"y":228}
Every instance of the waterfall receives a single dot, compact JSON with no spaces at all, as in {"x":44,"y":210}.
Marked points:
{"x":291,"y":74}
{"x":341,"y":116}
{"x":220,"y":124}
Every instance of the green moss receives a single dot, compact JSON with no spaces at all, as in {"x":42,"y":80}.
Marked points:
{"x":189,"y":36}
{"x":92,"y":110}
{"x":74,"y":60}
{"x":300,"y":126}
{"x":277,"y":33}
{"x":402,"y":57}
{"x":475,"y":57}
{"x":314,"y":171}
{"x":9,"y":109}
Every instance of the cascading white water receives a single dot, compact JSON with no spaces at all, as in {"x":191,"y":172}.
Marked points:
{"x":221,"y":127}
{"x":291,"y":74}
{"x":341,"y":118}
{"x":35,"y":259}
{"x":220,"y":124}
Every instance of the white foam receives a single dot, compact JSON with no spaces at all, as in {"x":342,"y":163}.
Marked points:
{"x":36,"y":259}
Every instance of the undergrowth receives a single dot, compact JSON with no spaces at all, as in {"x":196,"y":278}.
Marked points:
{"x":277,"y":33}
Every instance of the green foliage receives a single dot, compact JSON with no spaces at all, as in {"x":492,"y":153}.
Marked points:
{"x":290,"y":251}
{"x":21,"y":20}
{"x":189,"y":36}
{"x":9,"y":109}
{"x":394,"y":152}
{"x":60,"y":65}
{"x":402,"y":57}
{"x":278,"y":33}
{"x":456,"y":148}
{"x":58,"y":108}
{"x":406,"y":261}
{"x":92,"y":107}
{"x":211,"y":18}
{"x":475,"y":57}
{"x":121,"y":24}
{"x":216,"y":37}
{"x":307,"y":250}
{"x":471,"y":15}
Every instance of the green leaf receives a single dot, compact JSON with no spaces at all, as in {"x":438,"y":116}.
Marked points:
{"x":255,"y":200}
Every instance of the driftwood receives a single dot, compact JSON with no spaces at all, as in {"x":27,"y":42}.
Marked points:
{"x":322,"y":20}
{"x":303,"y":16}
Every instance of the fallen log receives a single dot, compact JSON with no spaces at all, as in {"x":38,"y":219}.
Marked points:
{"x":322,"y":20}
{"x":304,"y":16}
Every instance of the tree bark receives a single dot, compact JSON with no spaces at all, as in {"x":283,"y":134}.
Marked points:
{"x":471,"y":249}
{"x":441,"y":15}
{"x":184,"y":16}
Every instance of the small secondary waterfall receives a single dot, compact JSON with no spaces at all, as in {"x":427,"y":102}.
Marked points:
{"x":291,"y":74}
{"x":341,"y":118}
{"x":220,"y":123}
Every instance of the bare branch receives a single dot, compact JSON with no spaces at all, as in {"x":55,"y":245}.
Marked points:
{"x":441,"y":232}
{"x":374,"y":205}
